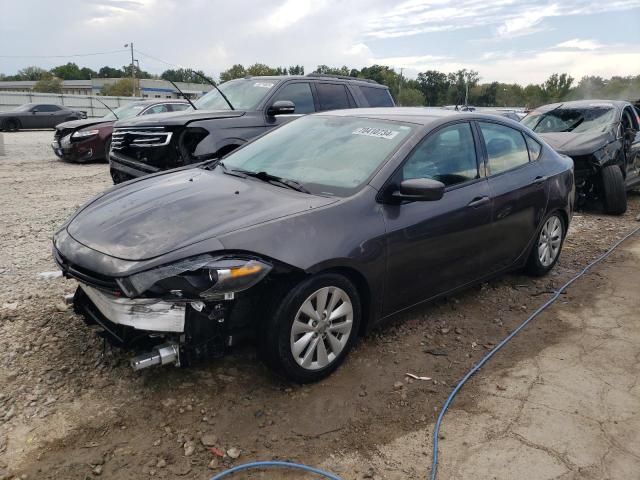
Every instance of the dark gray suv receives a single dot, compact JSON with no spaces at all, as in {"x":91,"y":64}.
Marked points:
{"x":231,"y":116}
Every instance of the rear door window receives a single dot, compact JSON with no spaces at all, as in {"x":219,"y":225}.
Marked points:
{"x":300,"y":94}
{"x":506,"y":148}
{"x":179,"y":107}
{"x":377,"y":97}
{"x":448,"y":155}
{"x":332,"y":96}
{"x":534,"y":148}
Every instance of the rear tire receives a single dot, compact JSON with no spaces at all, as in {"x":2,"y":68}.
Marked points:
{"x":547,"y":247}
{"x":312,"y":329}
{"x":613,"y":190}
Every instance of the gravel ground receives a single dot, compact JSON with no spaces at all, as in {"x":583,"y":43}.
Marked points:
{"x":70,"y":407}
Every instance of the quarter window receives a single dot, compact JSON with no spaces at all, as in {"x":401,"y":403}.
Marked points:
{"x":448,"y":155}
{"x":298,"y":93}
{"x":506,"y":148}
{"x":332,"y":96}
{"x":377,"y":97}
{"x":534,"y":148}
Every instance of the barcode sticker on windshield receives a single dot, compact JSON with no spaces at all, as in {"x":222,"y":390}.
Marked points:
{"x":263,"y":84}
{"x":375,"y":132}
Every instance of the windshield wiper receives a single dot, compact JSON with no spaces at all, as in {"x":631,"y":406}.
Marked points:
{"x":267,"y":177}
{"x":214,"y":85}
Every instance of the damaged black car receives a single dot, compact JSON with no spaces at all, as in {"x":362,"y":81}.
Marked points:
{"x":311,"y":235}
{"x":603,"y":139}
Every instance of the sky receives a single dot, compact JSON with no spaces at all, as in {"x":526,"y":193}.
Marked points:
{"x":504,"y":40}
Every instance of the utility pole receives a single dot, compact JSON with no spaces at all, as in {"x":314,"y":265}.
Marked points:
{"x":133,"y":70}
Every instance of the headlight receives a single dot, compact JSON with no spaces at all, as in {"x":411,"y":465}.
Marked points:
{"x":204,"y":277}
{"x":84,"y":133}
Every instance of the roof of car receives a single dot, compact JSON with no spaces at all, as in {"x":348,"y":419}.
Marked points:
{"x":594,"y":103}
{"x":418,"y":115}
{"x":320,"y":76}
{"x":154,"y":101}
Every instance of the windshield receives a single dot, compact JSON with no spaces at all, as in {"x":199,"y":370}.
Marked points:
{"x":244,"y":94}
{"x":126,"y":111}
{"x":577,"y":120}
{"x":327,"y":155}
{"x":24,"y":108}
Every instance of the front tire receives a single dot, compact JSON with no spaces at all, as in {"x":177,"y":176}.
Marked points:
{"x":313,"y":328}
{"x":11,"y":125}
{"x":614,"y":191}
{"x":546,"y":250}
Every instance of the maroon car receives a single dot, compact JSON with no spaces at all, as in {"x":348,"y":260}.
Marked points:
{"x":90,"y":139}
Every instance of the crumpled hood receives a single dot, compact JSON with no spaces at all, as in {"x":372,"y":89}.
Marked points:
{"x":163,"y":213}
{"x":177,"y":118}
{"x":569,"y":143}
{"x":89,"y":122}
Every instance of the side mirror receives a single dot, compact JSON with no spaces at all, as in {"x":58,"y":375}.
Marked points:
{"x":281,"y":107}
{"x":420,"y":190}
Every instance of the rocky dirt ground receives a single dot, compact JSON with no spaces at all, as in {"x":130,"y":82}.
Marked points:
{"x":71,"y":408}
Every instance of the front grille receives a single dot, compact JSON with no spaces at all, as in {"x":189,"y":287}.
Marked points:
{"x":84,"y":275}
{"x":143,"y":137}
{"x":62,"y":132}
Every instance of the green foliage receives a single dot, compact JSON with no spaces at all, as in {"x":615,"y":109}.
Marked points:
{"x":71,"y":71}
{"x":434,"y":86}
{"x":237,"y":71}
{"x":557,"y":87}
{"x":410,"y":97}
{"x":110,"y":72}
{"x":296,"y":70}
{"x":48,"y":84}
{"x":121,"y":88}
{"x":183,"y":75}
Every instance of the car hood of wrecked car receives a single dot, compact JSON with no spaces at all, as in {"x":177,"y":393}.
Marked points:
{"x":572,"y":144}
{"x":159,"y":214}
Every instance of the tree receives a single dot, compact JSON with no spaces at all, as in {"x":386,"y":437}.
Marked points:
{"x":237,"y":71}
{"x":48,"y":84}
{"x":410,"y":97}
{"x":296,"y":70}
{"x":326,"y":70}
{"x":110,"y":72}
{"x":31,"y":73}
{"x":71,"y":71}
{"x":183,"y":75}
{"x":121,"y":88}
{"x":260,"y":69}
{"x":434,"y":86}
{"x":556,"y":87}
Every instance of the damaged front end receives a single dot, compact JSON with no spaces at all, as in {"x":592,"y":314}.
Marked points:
{"x":174,"y":314}
{"x":588,"y":167}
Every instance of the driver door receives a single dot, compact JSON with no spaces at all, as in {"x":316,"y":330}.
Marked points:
{"x":630,"y":133}
{"x":300,"y":93}
{"x":436,"y":246}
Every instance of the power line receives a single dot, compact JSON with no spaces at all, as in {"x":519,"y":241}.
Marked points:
{"x":64,"y":56}
{"x":157,"y":59}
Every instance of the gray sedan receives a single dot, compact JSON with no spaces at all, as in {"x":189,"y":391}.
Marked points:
{"x":38,"y":115}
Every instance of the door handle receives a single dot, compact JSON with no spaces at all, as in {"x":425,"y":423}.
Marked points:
{"x":540,"y":179}
{"x":478,"y":201}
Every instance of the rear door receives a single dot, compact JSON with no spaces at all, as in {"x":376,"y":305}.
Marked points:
{"x":300,"y":93}
{"x":433,"y":247}
{"x":333,"y":96}
{"x":519,"y":189}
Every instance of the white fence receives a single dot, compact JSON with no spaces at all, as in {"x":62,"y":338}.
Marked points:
{"x":89,"y":104}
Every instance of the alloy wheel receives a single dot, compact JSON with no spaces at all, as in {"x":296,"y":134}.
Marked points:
{"x":550,"y":241}
{"x":321,"y":328}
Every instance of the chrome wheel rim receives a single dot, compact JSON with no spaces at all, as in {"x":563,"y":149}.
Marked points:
{"x":549,"y":241}
{"x":321,"y":328}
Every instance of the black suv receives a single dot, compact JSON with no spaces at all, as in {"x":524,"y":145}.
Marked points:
{"x":224,"y":120}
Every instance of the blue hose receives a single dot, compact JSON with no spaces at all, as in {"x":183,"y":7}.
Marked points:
{"x":454,"y":392}
{"x":274,"y":463}
{"x":485,"y":359}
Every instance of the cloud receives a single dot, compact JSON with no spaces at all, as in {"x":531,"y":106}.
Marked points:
{"x":509,"y":18}
{"x":577,"y":44}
